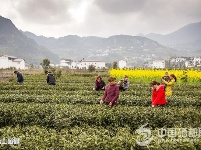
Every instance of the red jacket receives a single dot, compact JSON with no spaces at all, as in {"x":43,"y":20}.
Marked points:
{"x":111,"y":94}
{"x":158,"y":96}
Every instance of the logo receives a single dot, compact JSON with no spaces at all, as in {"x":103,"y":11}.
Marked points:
{"x":144,"y":136}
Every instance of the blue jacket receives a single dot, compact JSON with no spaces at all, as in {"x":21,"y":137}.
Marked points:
{"x":126,"y":85}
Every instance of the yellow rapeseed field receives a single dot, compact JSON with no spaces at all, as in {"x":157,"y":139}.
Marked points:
{"x":147,"y":75}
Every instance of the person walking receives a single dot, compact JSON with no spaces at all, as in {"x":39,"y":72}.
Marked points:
{"x":111,"y":93}
{"x":20,"y":78}
{"x":158,"y":94}
{"x":169,"y":85}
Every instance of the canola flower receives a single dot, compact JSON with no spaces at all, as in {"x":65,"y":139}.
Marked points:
{"x":147,"y":75}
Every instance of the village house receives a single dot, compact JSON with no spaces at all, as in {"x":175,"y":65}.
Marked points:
{"x":66,"y":63}
{"x":188,"y":62}
{"x":11,"y":62}
{"x":178,"y":62}
{"x":158,"y":64}
{"x":122,"y":64}
{"x":197,"y":61}
{"x":83,"y":64}
{"x":86,"y":63}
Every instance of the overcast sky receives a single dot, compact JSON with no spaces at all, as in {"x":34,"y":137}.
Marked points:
{"x":57,"y":18}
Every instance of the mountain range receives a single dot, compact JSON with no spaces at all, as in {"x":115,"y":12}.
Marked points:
{"x":186,"y":40}
{"x":13,"y":42}
{"x":136,"y":50}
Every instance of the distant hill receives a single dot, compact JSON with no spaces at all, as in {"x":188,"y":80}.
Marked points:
{"x":135,"y":49}
{"x":187,"y":39}
{"x":14,"y":42}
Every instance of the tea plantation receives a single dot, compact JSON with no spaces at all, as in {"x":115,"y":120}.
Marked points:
{"x":69,"y":116}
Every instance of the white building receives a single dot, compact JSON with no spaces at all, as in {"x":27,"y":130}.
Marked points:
{"x":19,"y":64}
{"x":122,"y":64}
{"x":197,"y":61}
{"x":11,"y":61}
{"x":188,"y":62}
{"x":180,"y":59}
{"x":86,"y":63}
{"x":74,"y":65}
{"x":66,"y":63}
{"x":83,"y":64}
{"x":158,"y":64}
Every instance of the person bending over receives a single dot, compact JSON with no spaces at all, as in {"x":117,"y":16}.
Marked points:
{"x":111,"y":93}
{"x":50,"y":78}
{"x":158,"y":94}
{"x":99,"y":84}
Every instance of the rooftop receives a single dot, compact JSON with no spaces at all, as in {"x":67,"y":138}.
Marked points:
{"x":8,"y":56}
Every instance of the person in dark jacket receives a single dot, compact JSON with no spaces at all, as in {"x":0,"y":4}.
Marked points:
{"x":20,"y":78}
{"x":50,"y":78}
{"x":111,"y":94}
{"x":166,"y":78}
{"x":99,"y":84}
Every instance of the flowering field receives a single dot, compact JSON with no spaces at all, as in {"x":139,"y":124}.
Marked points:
{"x":148,"y":75}
{"x":69,"y":116}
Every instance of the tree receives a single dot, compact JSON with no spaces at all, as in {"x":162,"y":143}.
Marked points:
{"x":114,"y":65}
{"x":91,"y":68}
{"x":31,"y":66}
{"x":45,"y":64}
{"x":108,"y":65}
